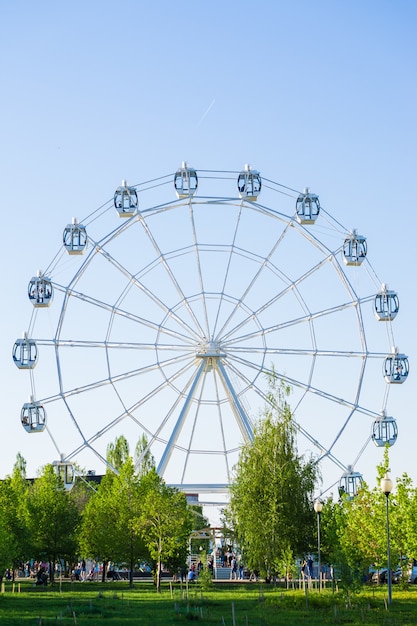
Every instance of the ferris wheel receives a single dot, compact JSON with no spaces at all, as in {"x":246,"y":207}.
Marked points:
{"x":164,"y":311}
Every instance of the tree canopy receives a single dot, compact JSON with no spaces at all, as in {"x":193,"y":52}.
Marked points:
{"x":53,"y":519}
{"x":271,"y":493}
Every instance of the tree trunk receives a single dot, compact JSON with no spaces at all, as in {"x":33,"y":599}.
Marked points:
{"x":103,"y":574}
{"x":158,"y":575}
{"x":51,"y":572}
{"x":132,"y":564}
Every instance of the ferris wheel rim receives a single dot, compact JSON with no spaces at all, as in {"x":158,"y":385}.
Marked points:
{"x":190,"y":343}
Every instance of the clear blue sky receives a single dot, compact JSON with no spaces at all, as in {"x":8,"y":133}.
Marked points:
{"x":310,"y":93}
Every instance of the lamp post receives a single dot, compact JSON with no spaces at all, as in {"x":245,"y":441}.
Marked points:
{"x":386,"y":488}
{"x":318,"y":507}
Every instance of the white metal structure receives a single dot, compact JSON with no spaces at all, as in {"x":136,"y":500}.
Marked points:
{"x":171,"y":321}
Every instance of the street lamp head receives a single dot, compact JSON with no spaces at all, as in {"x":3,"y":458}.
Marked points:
{"x":386,"y":485}
{"x":318,"y":506}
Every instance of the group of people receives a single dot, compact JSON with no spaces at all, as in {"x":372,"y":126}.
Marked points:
{"x":195,"y":570}
{"x":307,"y":567}
{"x":227,"y":559}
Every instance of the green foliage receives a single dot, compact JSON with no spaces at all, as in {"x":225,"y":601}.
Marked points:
{"x":286,"y":564}
{"x":144,"y":460}
{"x":135,"y":517}
{"x":52,"y":520}
{"x":15,"y":537}
{"x":165,"y":520}
{"x":128,"y":494}
{"x":117,"y":452}
{"x":98,"y":531}
{"x":109,"y":522}
{"x":272,"y":490}
{"x":353,"y":533}
{"x":205,"y":579}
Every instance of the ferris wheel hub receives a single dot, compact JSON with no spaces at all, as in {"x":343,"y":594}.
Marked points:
{"x":211,"y":349}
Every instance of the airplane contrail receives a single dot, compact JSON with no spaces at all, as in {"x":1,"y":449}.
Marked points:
{"x":207,"y":112}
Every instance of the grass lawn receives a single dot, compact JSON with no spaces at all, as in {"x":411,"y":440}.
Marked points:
{"x":114,"y":604}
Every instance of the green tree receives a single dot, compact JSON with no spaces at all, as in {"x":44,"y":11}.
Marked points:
{"x":53,"y":519}
{"x":332,"y":525}
{"x":403,"y":522}
{"x":98,"y":533}
{"x":144,"y":460}
{"x":16,"y":539}
{"x":110,"y":528}
{"x":8,"y":545}
{"x":130,"y":547}
{"x":201,"y":537}
{"x":362,"y":537}
{"x":353,"y":530}
{"x":165,"y":521}
{"x":117,"y":453}
{"x":271,"y":494}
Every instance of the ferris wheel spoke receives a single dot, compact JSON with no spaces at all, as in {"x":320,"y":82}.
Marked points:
{"x":128,"y":413}
{"x":171,"y":275}
{"x":118,"y":345}
{"x":133,"y":280}
{"x":291,"y":287}
{"x":271,"y":351}
{"x":167,"y":381}
{"x":122,"y":313}
{"x":128,"y":223}
{"x":153,"y":393}
{"x":86,"y":445}
{"x":52,"y":438}
{"x":341,"y":430}
{"x":362,"y":450}
{"x":74,"y":421}
{"x":155,"y":435}
{"x":199,"y":272}
{"x":320,"y":447}
{"x":227,"y":271}
{"x":249,"y":383}
{"x":112,"y":379}
{"x":231,"y":339}
{"x":300,"y":385}
{"x":325,"y":452}
{"x":262,"y":264}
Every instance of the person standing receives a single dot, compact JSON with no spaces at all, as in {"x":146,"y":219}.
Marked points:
{"x":310,"y":566}
{"x":233,"y":565}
